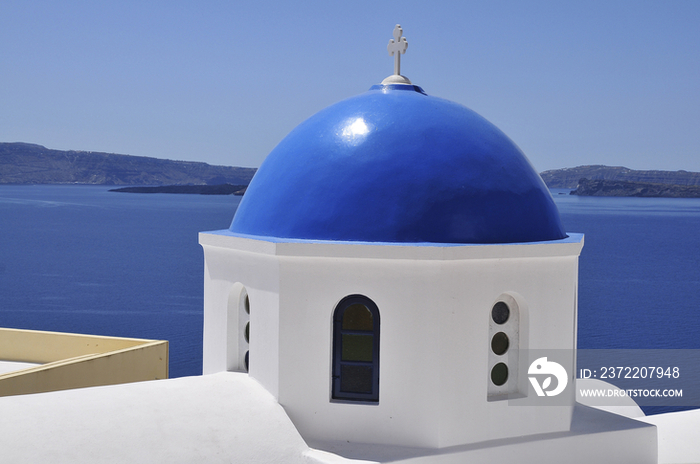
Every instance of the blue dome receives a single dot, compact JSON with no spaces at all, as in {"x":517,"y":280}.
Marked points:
{"x":396,"y":165}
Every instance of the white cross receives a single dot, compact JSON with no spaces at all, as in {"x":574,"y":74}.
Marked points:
{"x":396,"y":47}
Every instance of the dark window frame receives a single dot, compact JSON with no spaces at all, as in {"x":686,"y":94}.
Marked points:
{"x":338,"y":332}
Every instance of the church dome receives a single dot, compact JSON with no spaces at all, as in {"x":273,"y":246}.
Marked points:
{"x":396,"y":165}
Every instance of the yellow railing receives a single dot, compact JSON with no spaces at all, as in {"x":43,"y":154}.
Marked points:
{"x":75,"y":361}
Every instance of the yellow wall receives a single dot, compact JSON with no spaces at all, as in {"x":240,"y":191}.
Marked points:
{"x":74,"y":361}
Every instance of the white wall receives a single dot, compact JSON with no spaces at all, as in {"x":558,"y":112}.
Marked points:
{"x":435,"y":306}
{"x":258,"y":275}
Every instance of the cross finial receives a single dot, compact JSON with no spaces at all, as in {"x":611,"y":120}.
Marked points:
{"x":396,"y":47}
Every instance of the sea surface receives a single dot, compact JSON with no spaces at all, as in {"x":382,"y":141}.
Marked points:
{"x":639,"y":270}
{"x":83,"y":259}
{"x":87,"y":260}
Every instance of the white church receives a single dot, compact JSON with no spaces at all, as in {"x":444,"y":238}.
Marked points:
{"x":388,"y":291}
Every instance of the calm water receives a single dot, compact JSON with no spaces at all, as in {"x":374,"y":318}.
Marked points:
{"x":82,"y":259}
{"x":639,"y":275}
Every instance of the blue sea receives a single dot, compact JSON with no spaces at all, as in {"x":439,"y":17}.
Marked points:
{"x":83,"y":259}
{"x":639,"y":270}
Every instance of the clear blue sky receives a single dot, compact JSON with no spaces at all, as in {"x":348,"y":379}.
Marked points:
{"x":587,"y":82}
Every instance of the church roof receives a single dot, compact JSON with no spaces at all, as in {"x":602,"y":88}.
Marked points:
{"x":396,"y":165}
{"x":229,"y":417}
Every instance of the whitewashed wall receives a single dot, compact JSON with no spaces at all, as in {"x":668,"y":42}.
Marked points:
{"x":435,"y":305}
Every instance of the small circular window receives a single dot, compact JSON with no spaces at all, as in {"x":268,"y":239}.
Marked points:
{"x":499,"y":374}
{"x":499,"y":343}
{"x":500,"y":313}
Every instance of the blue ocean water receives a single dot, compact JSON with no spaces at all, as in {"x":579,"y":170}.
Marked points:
{"x":82,"y":259}
{"x":639,"y":275}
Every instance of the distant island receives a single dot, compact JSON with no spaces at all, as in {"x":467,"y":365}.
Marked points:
{"x":619,"y":188}
{"x":618,"y":181}
{"x":568,"y":178}
{"x":25,"y":163}
{"x":219,"y":189}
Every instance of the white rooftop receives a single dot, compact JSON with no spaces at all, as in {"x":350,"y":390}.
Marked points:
{"x":229,"y":417}
{"x":12,"y":366}
{"x":191,"y":419}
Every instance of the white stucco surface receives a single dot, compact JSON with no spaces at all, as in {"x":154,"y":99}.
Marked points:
{"x":435,"y":304}
{"x":228,"y":417}
{"x":596,"y":436}
{"x":221,"y":418}
{"x":12,"y":366}
{"x":622,"y":405}
{"x":678,"y":434}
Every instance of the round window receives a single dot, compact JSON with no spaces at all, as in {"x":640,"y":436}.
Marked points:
{"x":500,"y":313}
{"x":499,"y":343}
{"x":499,"y":374}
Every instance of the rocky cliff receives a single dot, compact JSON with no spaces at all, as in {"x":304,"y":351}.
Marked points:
{"x":218,"y":189}
{"x":569,"y":177}
{"x":23,"y":163}
{"x":618,"y":188}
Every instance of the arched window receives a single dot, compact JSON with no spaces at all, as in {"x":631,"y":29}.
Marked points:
{"x":356,"y":350}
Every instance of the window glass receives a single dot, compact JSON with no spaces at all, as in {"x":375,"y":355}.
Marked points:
{"x":499,"y":374}
{"x":356,"y":350}
{"x":357,"y":347}
{"x":357,"y":317}
{"x":504,"y":378}
{"x":499,"y":343}
{"x":355,"y":379}
{"x":500,"y":313}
